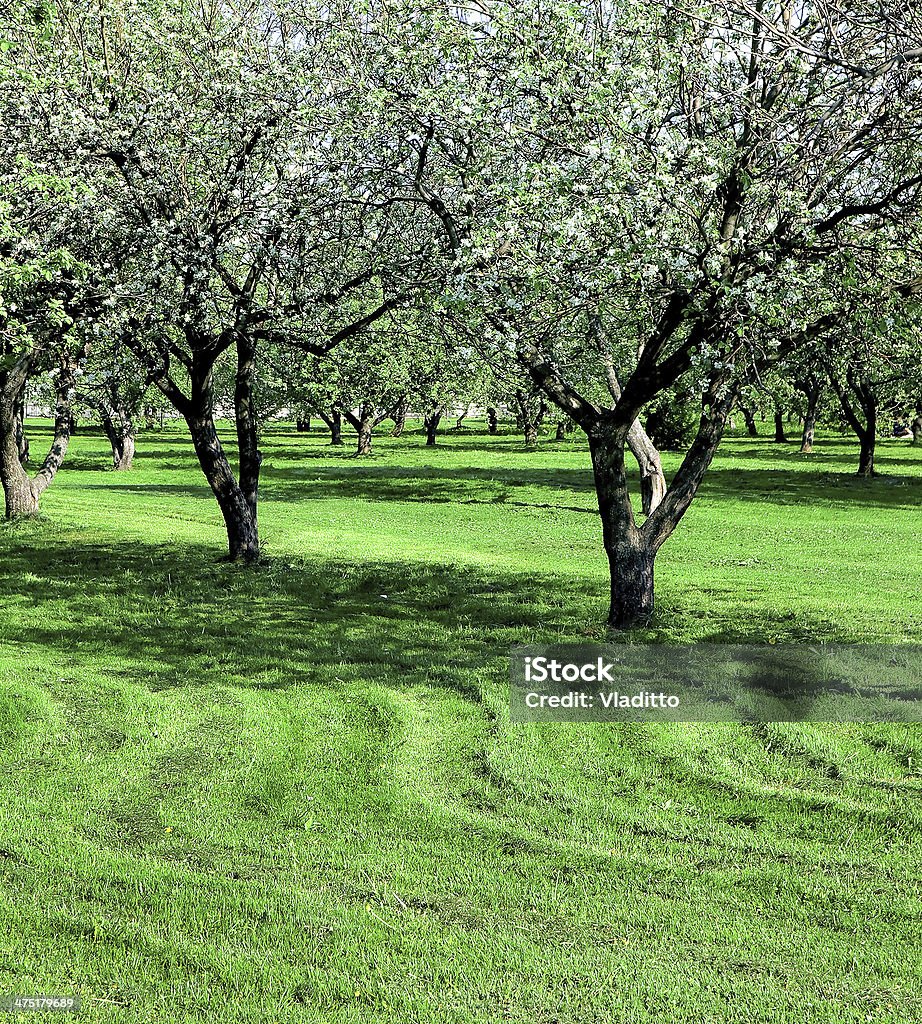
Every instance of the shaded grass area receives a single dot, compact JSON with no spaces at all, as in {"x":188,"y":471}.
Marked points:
{"x":293,"y":793}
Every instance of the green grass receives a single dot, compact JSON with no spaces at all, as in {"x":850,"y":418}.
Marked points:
{"x":293,"y":793}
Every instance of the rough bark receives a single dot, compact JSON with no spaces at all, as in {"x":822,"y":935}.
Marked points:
{"x":630,"y":555}
{"x":242,"y":531}
{"x":916,"y":426}
{"x":118,"y":427}
{"x":431,"y":423}
{"x":530,"y":412}
{"x":334,"y":421}
{"x":364,"y":422}
{"x":22,"y":493}
{"x":809,"y":433}
{"x":247,"y":424}
{"x":363,"y":447}
{"x":860,"y":406}
{"x":867,"y":442}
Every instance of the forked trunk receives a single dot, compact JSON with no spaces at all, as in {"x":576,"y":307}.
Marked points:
{"x":334,"y":420}
{"x":21,"y":501}
{"x":119,"y":429}
{"x":652,"y":480}
{"x":630,"y":555}
{"x":21,"y":494}
{"x":431,"y":424}
{"x":400,"y":417}
{"x":241,"y":525}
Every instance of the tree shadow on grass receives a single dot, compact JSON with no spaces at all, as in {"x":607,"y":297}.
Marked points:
{"x":172,"y":616}
{"x":840,"y":451}
{"x":500,"y":486}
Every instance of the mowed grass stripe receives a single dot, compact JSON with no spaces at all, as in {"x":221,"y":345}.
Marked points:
{"x":294,"y":794}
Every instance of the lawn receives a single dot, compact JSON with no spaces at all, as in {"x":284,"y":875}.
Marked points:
{"x":293,"y":793}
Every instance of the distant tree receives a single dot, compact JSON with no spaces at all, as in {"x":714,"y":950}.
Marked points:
{"x":115,"y":387}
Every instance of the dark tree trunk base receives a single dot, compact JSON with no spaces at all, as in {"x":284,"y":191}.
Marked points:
{"x":631,"y":587}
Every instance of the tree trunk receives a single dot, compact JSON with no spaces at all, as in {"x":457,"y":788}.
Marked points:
{"x":303,"y":424}
{"x":247,"y":423}
{"x":780,"y":435}
{"x":126,"y":458}
{"x":531,"y":413}
{"x":492,"y":420}
{"x":462,"y":417}
{"x":915,"y":426}
{"x":21,"y":494}
{"x":858,"y":387}
{"x":400,"y":417}
{"x":431,"y":424}
{"x":364,"y":441}
{"x":119,"y":429}
{"x":630,"y":556}
{"x":561,"y":433}
{"x":868,"y":442}
{"x":242,"y":532}
{"x":652,"y":480}
{"x":21,"y":501}
{"x":751,"y":427}
{"x":334,"y":421}
{"x":808,"y":436}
